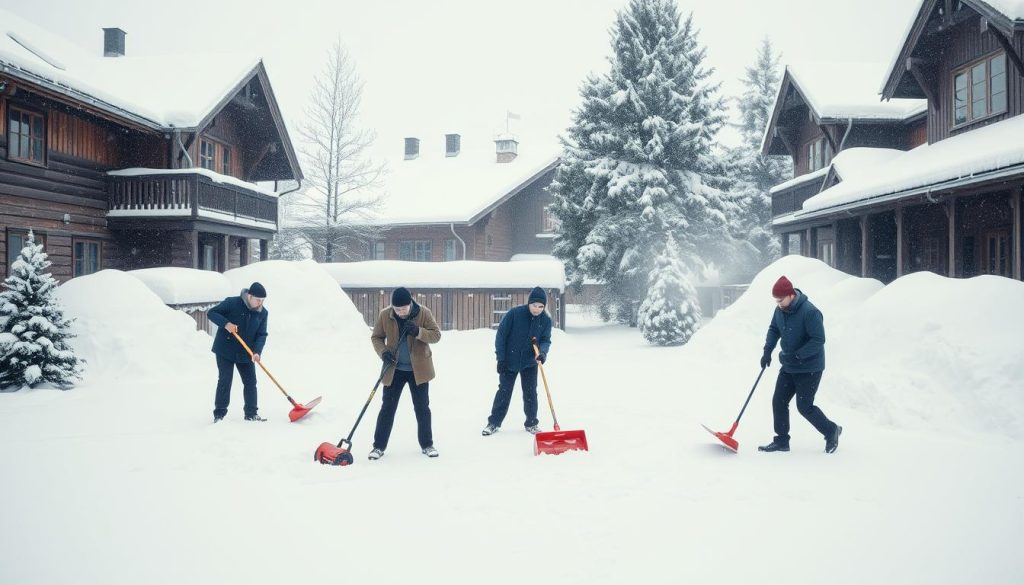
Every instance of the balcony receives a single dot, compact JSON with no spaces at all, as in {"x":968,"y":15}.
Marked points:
{"x":189,"y":194}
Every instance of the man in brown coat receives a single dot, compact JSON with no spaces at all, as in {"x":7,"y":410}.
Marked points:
{"x":413,"y":325}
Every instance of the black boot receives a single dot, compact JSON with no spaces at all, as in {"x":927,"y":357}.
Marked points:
{"x":832,"y":442}
{"x":775,"y":445}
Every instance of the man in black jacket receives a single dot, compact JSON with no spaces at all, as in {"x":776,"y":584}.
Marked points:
{"x":245,"y":316}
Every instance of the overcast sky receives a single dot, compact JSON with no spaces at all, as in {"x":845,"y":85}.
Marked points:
{"x":457,"y":65}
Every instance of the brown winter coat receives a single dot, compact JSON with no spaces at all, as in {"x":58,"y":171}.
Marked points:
{"x":385,"y":338}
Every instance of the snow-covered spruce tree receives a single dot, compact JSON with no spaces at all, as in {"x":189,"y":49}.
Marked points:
{"x":33,"y":330}
{"x":637,"y":164}
{"x":754,"y":173}
{"x":670,"y":314}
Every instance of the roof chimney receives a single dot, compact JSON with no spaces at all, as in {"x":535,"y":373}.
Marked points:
{"x":113,"y":42}
{"x":506,"y":147}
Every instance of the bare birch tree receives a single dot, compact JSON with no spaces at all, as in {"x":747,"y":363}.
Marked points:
{"x":337,"y":197}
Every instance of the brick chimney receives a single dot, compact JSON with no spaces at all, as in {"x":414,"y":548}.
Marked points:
{"x":507,"y":148}
{"x":113,"y":42}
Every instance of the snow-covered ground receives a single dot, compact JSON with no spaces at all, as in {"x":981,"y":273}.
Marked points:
{"x":126,"y":480}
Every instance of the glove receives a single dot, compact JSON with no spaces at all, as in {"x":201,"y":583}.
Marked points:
{"x":501,"y":367}
{"x":766,"y":360}
{"x":412,"y":329}
{"x":542,"y":357}
{"x":387,"y":357}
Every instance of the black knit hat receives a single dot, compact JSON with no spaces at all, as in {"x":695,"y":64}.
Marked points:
{"x":400,"y":297}
{"x":256,"y":289}
{"x":537,"y":296}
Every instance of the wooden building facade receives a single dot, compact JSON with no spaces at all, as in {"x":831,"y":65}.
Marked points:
{"x":965,"y":59}
{"x":106,"y":185}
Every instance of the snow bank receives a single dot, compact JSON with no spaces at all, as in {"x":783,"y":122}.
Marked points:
{"x":126,"y":332}
{"x":180,"y":286}
{"x":459,"y":274}
{"x":925,"y":350}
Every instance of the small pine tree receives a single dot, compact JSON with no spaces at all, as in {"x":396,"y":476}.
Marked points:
{"x":33,"y":330}
{"x":670,"y":314}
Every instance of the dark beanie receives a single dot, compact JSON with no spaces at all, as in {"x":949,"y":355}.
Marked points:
{"x":400,"y":297}
{"x":783,"y":288}
{"x":256,"y":289}
{"x":537,"y":296}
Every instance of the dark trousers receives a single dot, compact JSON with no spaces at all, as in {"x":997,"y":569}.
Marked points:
{"x":506,"y":381}
{"x":420,"y":403}
{"x":803,"y":386}
{"x":225,"y":374}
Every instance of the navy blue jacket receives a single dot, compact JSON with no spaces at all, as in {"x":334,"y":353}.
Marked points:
{"x":512,"y":343}
{"x":802,"y":330}
{"x":252,"y":327}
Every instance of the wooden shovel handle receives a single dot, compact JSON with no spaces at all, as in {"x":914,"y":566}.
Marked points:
{"x":265,"y":370}
{"x":551,"y":405}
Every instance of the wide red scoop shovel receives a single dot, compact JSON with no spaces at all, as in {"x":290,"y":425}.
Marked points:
{"x":726,"y":438}
{"x":557,"y":441}
{"x":298,"y":410}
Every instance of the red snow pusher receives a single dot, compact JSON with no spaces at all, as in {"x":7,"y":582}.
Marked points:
{"x":298,"y":410}
{"x":556,"y":441}
{"x":726,"y":438}
{"x":341,"y":454}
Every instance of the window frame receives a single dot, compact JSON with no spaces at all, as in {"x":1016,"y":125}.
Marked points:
{"x":12,"y":108}
{"x":966,"y":71}
{"x":411,"y":250}
{"x":12,"y":231}
{"x":212,"y":156}
{"x":225,"y":161}
{"x":75,"y":241}
{"x":449,"y":242}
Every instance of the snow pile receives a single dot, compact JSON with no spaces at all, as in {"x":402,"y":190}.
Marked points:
{"x":182,"y":286}
{"x":924,"y":351}
{"x":126,"y":332}
{"x":548,"y":273}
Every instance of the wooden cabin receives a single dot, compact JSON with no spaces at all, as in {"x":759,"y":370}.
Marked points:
{"x":135,"y":163}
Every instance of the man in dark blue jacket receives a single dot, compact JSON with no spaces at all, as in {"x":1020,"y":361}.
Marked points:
{"x":513,"y":348}
{"x":802,"y":329}
{"x":245,"y":316}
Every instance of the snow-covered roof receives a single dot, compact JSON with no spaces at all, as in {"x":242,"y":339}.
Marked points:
{"x":855,"y":162}
{"x":843,"y":90}
{"x":458,"y":274}
{"x":157,"y":91}
{"x":435,"y":188}
{"x":1013,"y":9}
{"x":800,"y":180}
{"x":969,"y":157}
{"x":214,"y":176}
{"x":181,"y":286}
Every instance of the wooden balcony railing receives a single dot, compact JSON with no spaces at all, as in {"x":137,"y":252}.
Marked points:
{"x":189,"y":195}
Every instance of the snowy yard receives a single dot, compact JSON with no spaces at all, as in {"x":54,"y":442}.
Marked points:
{"x":125,"y":479}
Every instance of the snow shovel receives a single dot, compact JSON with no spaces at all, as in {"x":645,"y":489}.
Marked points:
{"x":341,"y":454}
{"x":298,"y":410}
{"x":726,"y":438}
{"x":557,"y":441}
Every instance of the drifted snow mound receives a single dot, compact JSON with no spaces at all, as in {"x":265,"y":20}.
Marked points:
{"x":125,"y":331}
{"x":924,"y":351}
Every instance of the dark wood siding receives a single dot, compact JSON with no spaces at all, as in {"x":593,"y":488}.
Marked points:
{"x":966,"y":43}
{"x":528,"y":218}
{"x":82,"y":139}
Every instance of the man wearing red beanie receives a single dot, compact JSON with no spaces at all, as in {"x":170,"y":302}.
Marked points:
{"x":801,"y":328}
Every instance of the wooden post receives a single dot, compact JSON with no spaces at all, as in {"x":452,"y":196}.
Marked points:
{"x":808,"y":244}
{"x":264,"y":250}
{"x":194,"y":237}
{"x":1017,"y":233}
{"x":225,"y":254}
{"x":865,"y":248}
{"x":899,"y":241}
{"x":784,"y":244}
{"x":835,"y":245}
{"x":951,"y":231}
{"x":245,"y":252}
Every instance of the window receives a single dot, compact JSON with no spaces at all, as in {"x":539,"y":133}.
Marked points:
{"x":794,"y":243}
{"x":979,"y":90}
{"x":931,"y":254}
{"x":449,"y":250}
{"x":16,"y":240}
{"x":997,"y":252}
{"x":26,"y":135}
{"x":86,"y":257}
{"x":225,"y":163}
{"x":549,"y":221}
{"x":415,"y":250}
{"x":207,"y":153}
{"x":819,"y":154}
{"x":826,"y":252}
{"x":412,"y":148}
{"x":375,"y":250}
{"x":209,"y":257}
{"x":452,"y":144}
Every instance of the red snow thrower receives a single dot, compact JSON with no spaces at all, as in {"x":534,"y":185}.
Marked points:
{"x":341,"y":454}
{"x":298,"y":410}
{"x":726,"y":438}
{"x":557,"y":441}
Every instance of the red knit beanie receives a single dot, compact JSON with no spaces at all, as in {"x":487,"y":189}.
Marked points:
{"x":783,"y":288}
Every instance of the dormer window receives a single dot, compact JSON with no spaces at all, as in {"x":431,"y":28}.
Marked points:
{"x":819,"y":154}
{"x":412,"y":148}
{"x":452,"y":144}
{"x":979,"y":89}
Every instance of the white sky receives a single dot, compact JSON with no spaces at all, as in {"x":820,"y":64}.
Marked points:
{"x":457,"y":65}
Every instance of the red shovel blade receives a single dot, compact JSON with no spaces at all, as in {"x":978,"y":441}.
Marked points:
{"x":555,"y":442}
{"x":726,"y":439}
{"x":329,"y":453}
{"x":301,"y":410}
